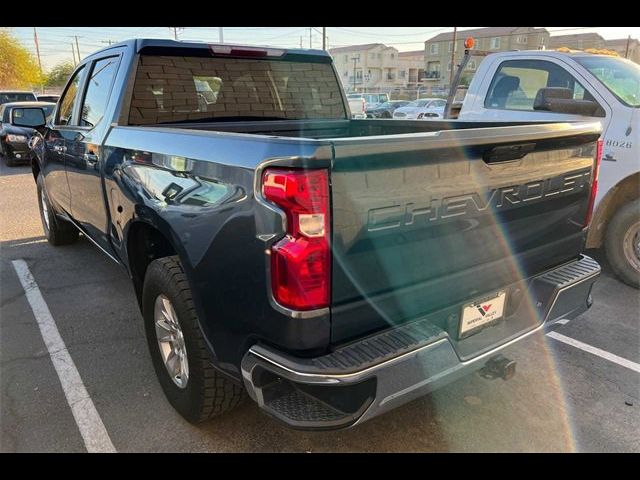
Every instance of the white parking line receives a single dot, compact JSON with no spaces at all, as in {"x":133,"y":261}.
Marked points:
{"x":595,"y":351}
{"x":95,"y":436}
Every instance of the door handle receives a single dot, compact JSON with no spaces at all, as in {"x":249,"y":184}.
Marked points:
{"x":90,"y":157}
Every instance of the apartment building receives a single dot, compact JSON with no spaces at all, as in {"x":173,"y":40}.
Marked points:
{"x":438,"y":50}
{"x":583,"y":41}
{"x":375,"y":67}
{"x":632,"y":51}
{"x":579,"y":41}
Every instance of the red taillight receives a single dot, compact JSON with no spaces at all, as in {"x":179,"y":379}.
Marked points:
{"x":301,"y":261}
{"x":594,"y":183}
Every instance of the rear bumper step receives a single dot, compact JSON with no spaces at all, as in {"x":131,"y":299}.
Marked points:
{"x":368,"y":377}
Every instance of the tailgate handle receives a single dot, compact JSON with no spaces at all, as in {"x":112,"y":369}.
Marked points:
{"x":507,"y":153}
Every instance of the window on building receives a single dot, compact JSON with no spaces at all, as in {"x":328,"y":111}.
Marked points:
{"x":522,"y":39}
{"x":517,"y":82}
{"x":433,"y":49}
{"x":471,"y":65}
{"x":495,"y":43}
{"x":449,"y":67}
{"x":346,"y":58}
{"x":450,"y":47}
{"x":403,"y":74}
{"x":379,"y":55}
{"x":372,"y":56}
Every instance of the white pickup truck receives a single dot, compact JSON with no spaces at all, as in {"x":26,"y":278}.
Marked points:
{"x":549,"y":85}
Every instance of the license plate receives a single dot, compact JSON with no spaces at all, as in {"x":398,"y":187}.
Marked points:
{"x":481,"y":314}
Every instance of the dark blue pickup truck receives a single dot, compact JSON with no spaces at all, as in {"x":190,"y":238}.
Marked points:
{"x":331,"y":268}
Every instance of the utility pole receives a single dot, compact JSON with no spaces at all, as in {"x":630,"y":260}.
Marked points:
{"x":77,"y":48}
{"x":106,"y":41}
{"x":73,"y":52}
{"x":324,"y":38}
{"x":355,"y":59}
{"x":35,"y":37}
{"x":453,"y":56}
{"x":300,"y":41}
{"x":310,"y":40}
{"x":220,"y":34}
{"x":626,"y":50}
{"x":175,"y":31}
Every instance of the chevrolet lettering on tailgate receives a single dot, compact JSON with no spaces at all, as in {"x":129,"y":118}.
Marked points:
{"x":471,"y":204}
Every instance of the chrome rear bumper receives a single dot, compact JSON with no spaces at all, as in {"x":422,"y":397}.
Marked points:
{"x":361,"y":380}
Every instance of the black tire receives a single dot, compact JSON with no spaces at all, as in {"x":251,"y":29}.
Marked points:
{"x":623,"y":231}
{"x":207,"y":392}
{"x":57,"y":230}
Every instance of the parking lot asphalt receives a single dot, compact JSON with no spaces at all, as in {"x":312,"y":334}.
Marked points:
{"x":562,"y":398}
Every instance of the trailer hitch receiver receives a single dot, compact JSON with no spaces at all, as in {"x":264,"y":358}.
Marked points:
{"x":499,"y":367}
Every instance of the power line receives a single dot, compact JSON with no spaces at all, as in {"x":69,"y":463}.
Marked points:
{"x":379,"y":34}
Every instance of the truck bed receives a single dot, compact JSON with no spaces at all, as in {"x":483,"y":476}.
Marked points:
{"x":428,"y":215}
{"x":327,"y":129}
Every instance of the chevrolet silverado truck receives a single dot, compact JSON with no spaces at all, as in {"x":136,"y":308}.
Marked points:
{"x":331,"y":268}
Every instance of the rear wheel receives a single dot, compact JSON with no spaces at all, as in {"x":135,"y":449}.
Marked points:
{"x":178,"y":349}
{"x":622,"y":243}
{"x":57,"y":230}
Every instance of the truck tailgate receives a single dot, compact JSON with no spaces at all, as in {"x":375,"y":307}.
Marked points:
{"x":430,"y":222}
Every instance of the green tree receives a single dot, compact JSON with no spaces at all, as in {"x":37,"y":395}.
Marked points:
{"x":59,"y":75}
{"x":19,"y":67}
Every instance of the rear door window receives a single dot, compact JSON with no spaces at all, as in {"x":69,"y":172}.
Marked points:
{"x":98,"y":90}
{"x":68,"y":100}
{"x":517,"y":82}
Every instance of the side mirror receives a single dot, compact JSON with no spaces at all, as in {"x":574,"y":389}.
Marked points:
{"x":32,"y":117}
{"x":560,"y":100}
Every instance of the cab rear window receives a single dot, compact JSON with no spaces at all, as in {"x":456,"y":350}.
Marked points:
{"x":171,"y":89}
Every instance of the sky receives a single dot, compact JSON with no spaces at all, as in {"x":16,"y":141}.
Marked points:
{"x":56,"y":42}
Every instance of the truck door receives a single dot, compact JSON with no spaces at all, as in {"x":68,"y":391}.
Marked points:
{"x":53,"y":165}
{"x":509,"y":91}
{"x":84,"y":157}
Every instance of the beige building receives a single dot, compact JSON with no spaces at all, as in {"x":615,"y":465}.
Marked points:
{"x":620,"y":46}
{"x":438,"y":50}
{"x":583,"y":41}
{"x":579,"y":41}
{"x":375,"y":67}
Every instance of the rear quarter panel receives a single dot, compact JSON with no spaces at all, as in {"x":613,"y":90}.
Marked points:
{"x":211,"y":217}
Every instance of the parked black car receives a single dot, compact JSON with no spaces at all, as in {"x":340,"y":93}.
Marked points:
{"x":386,"y":109}
{"x":16,"y":119}
{"x":7,"y":96}
{"x":48,"y":98}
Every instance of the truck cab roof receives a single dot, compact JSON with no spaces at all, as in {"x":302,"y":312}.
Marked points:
{"x":175,"y":46}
